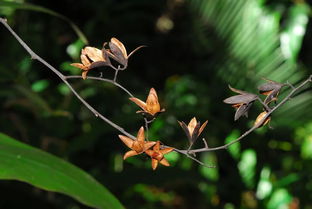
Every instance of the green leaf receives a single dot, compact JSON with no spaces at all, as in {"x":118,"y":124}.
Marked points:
{"x":280,"y":199}
{"x":247,"y":167}
{"x":40,"y":85}
{"x":32,"y":7}
{"x":291,"y":38}
{"x":264,"y":188}
{"x":249,"y":45}
{"x":24,"y":163}
{"x":234,"y":149}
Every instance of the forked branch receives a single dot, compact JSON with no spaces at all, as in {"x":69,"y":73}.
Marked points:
{"x":193,"y":130}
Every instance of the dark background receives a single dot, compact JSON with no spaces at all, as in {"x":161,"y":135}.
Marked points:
{"x":195,"y":49}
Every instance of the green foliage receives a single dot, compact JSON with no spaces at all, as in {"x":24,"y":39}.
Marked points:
{"x":247,"y":166}
{"x":250,"y":48}
{"x":13,"y":5}
{"x":234,"y":150}
{"x":24,"y":163}
{"x":280,"y":199}
{"x":209,"y":44}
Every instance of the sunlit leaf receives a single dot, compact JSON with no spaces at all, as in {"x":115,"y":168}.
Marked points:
{"x":292,"y":36}
{"x":74,"y":49}
{"x":247,"y":167}
{"x":264,"y":188}
{"x":251,"y":47}
{"x":280,"y":199}
{"x":234,"y":149}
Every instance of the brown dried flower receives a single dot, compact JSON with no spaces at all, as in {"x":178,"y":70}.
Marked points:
{"x":91,"y":57}
{"x":193,"y":129}
{"x":157,"y":155}
{"x":260,"y":118}
{"x":137,"y":146}
{"x":151,"y":107}
{"x":118,"y":52}
{"x":271,"y":89}
{"x":241,"y":102}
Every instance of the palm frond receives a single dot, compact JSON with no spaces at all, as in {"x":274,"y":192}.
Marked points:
{"x":255,"y":45}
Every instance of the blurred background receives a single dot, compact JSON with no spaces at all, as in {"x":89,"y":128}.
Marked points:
{"x":195,"y":49}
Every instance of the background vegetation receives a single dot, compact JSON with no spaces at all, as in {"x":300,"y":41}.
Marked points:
{"x":195,"y":49}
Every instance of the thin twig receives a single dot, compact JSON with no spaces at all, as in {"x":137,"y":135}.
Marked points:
{"x":63,"y":78}
{"x":116,"y":73}
{"x":205,"y":149}
{"x":266,"y":107}
{"x":146,"y":127}
{"x":289,"y":84}
{"x":205,"y":143}
{"x":102,"y":79}
{"x":97,"y":114}
{"x":193,"y":158}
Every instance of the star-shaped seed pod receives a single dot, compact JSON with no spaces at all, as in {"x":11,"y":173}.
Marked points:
{"x":91,"y":57}
{"x":271,"y":89}
{"x":137,"y":146}
{"x":260,"y":118}
{"x":241,"y":102}
{"x":118,"y":52}
{"x":193,"y":129}
{"x":151,"y":107}
{"x":157,"y":155}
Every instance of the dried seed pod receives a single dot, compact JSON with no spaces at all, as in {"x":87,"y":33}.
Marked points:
{"x":118,"y":52}
{"x":271,"y":89}
{"x":137,"y":146}
{"x":193,"y":129}
{"x":151,"y":107}
{"x":259,"y":120}
{"x":241,"y":102}
{"x":157,"y":155}
{"x":91,"y":57}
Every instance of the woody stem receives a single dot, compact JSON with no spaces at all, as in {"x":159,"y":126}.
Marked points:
{"x":207,"y":149}
{"x":103,"y":79}
{"x":34,"y":56}
{"x":266,"y":107}
{"x":116,"y":73}
{"x":146,"y":127}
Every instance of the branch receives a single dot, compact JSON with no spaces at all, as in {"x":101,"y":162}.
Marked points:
{"x":207,"y":149}
{"x":187,"y":152}
{"x":64,"y":79}
{"x":101,"y":79}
